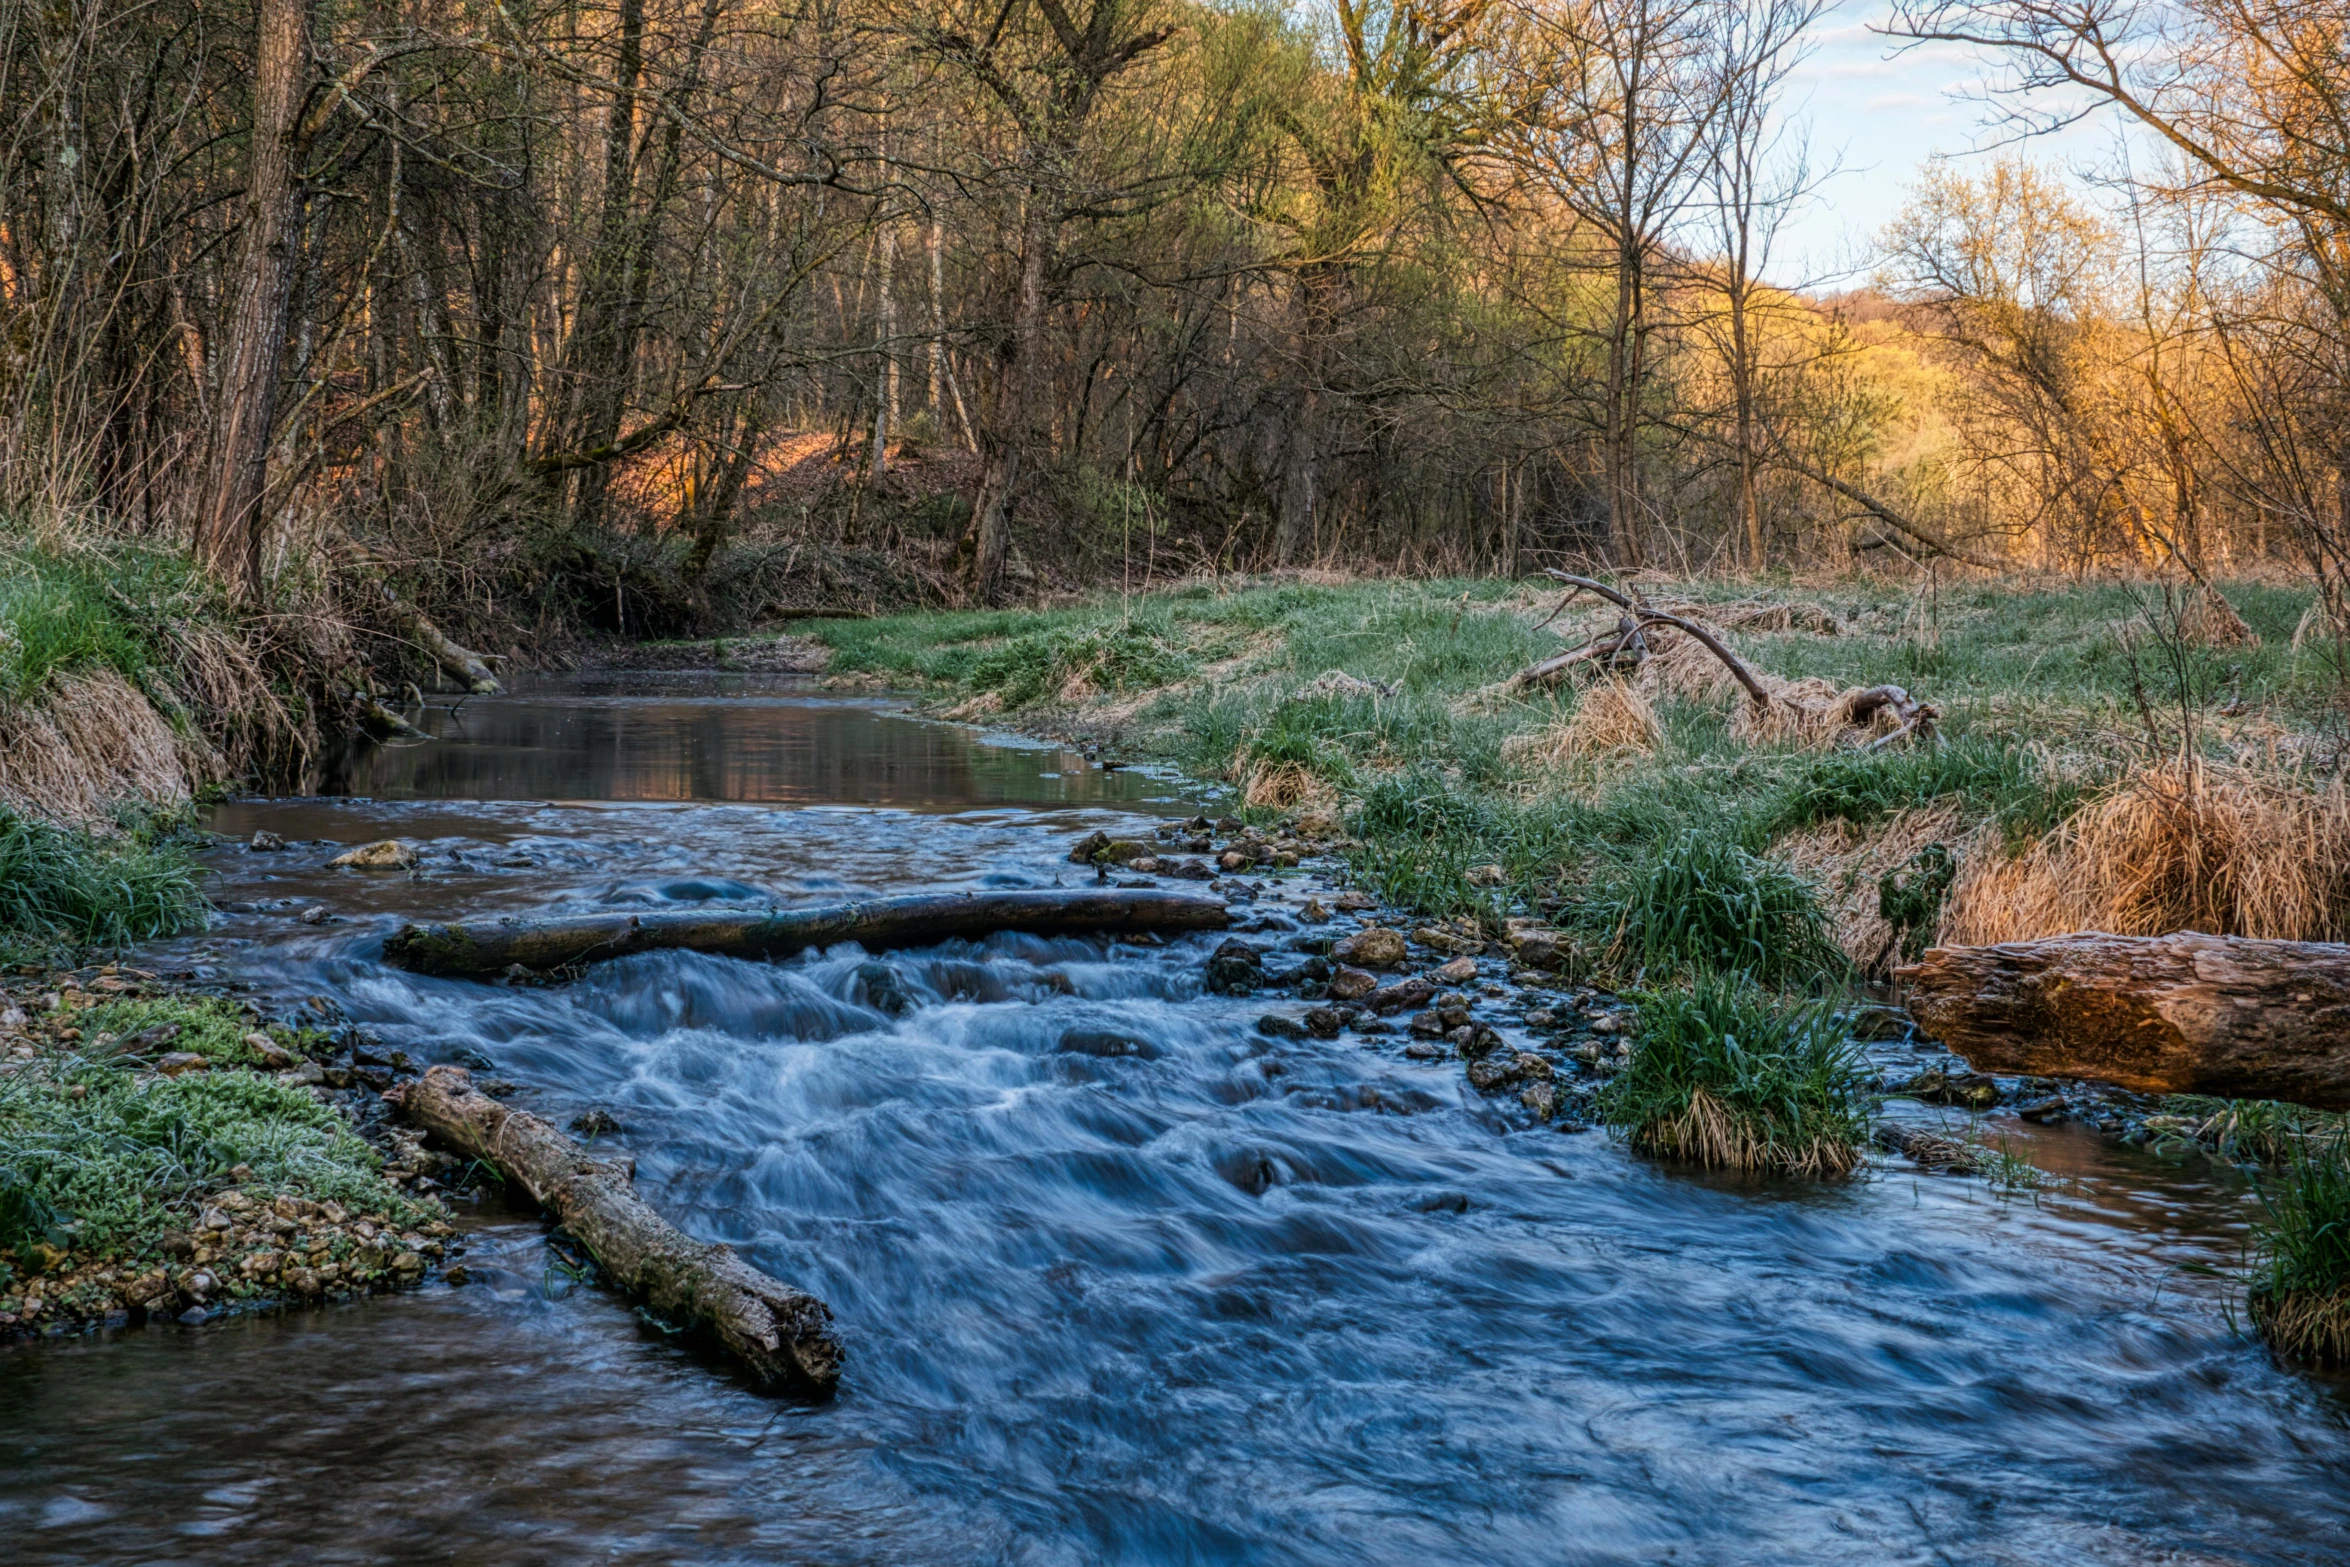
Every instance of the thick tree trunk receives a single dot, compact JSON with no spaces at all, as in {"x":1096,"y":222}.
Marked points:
{"x":780,"y":1334}
{"x":2186,"y":1013}
{"x":491,"y":947}
{"x":228,"y":526}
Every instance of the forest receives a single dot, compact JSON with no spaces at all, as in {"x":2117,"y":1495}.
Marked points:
{"x":669,"y":315}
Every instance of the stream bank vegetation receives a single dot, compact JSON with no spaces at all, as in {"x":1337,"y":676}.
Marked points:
{"x":164,"y":1155}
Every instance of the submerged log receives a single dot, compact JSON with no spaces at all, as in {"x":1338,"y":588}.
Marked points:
{"x":493,"y":946}
{"x":2183,"y":1014}
{"x":780,"y":1334}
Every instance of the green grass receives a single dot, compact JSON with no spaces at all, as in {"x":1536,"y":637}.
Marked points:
{"x":109,"y":1160}
{"x":62,"y":612}
{"x":2300,"y":1288}
{"x":1724,"y":1075}
{"x":65,"y":889}
{"x":2035,"y":687}
{"x":208,"y":1025}
{"x":1700,"y":903}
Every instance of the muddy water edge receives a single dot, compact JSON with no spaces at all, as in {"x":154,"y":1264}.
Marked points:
{"x":1122,"y":1276}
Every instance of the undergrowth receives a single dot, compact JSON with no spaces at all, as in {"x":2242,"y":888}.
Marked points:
{"x":1724,"y":1075}
{"x":2300,"y":1290}
{"x":64,"y":889}
{"x":107,"y":1160}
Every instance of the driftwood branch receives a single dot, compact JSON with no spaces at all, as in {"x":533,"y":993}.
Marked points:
{"x":493,"y":946}
{"x":1642,"y":616}
{"x":2186,"y":1013}
{"x":781,"y":1335}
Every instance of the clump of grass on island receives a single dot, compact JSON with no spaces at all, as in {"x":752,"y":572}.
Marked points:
{"x":2300,"y":1294}
{"x":1727,"y":1076}
{"x":65,"y":890}
{"x":1700,"y":902}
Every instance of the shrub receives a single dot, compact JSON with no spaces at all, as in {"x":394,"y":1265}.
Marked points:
{"x":1700,"y":902}
{"x":62,"y":887}
{"x":1724,"y":1076}
{"x":2300,"y":1295}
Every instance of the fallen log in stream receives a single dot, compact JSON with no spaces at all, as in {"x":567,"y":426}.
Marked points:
{"x":484,"y":947}
{"x":2181,"y":1014}
{"x":781,"y":1335}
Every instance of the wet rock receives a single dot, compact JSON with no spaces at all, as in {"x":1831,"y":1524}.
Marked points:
{"x":1276,"y":1026}
{"x":1233,"y":860}
{"x":1429,"y":1025}
{"x":1541,"y":1098}
{"x":1105,"y":1044}
{"x":1235,"y":969}
{"x":1607,"y":1023}
{"x":1458,"y":972}
{"x":878,"y":984}
{"x":1425,"y":1050}
{"x":1323,"y":1023}
{"x":265,"y":842}
{"x":1313,"y":971}
{"x":1313,"y":912}
{"x":1490,"y":1075}
{"x":1372,"y":947}
{"x":1406,"y":993}
{"x":1352,"y":984}
{"x":1437,"y":938}
{"x":306,"y":1074}
{"x":1967,"y":1090}
{"x":596,"y":1122}
{"x":1473,"y":1041}
{"x":1187,"y":870}
{"x":1356,"y":903}
{"x":316,"y":914}
{"x":387,"y":854}
{"x":1101,"y":849}
{"x":2045,"y":1111}
{"x":1541,"y":1017}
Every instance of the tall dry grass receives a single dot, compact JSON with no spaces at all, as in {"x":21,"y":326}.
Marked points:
{"x":2225,"y":850}
{"x":1612,"y":719}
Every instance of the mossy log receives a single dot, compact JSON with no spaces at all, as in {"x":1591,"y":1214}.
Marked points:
{"x":781,"y":1335}
{"x":2181,"y":1014}
{"x":493,"y":946}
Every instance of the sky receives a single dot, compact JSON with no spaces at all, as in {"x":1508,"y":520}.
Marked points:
{"x":1883,"y":113}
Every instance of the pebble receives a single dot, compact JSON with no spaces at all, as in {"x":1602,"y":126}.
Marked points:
{"x":1373,"y":947}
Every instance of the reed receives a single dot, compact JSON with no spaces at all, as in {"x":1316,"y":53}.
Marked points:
{"x":2300,"y":1294}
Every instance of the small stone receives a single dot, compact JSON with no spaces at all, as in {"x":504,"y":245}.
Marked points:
{"x":180,"y":1061}
{"x":1233,"y":860}
{"x":1541,"y":1017}
{"x":1356,"y":903}
{"x":457,"y":1276}
{"x":597,"y":1122}
{"x":1352,"y":984}
{"x":1323,"y":1023}
{"x":1313,"y":913}
{"x":1458,"y":972}
{"x":1235,"y":969}
{"x":2045,"y":1111}
{"x":271,"y":1054}
{"x":386,"y":854}
{"x":1372,"y":947}
{"x":1429,"y":1025}
{"x":1607,"y":1023}
{"x":315,"y":914}
{"x":1541,"y":1098}
{"x":1489,"y":1076}
{"x":305,"y":1074}
{"x":1446,"y":941}
{"x":1279,"y":1027}
{"x":265,"y":842}
{"x":408,"y":1264}
{"x":1474,"y":1041}
{"x":1425,"y":1050}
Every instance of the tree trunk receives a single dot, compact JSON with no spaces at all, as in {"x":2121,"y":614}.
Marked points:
{"x":780,"y":1334}
{"x":491,"y":947}
{"x":228,"y":526}
{"x":2186,"y":1013}
{"x":1011,"y":430}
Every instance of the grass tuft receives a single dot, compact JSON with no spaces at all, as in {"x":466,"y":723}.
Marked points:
{"x":1701,"y":903}
{"x":63,"y":888}
{"x":1724,"y":1076}
{"x":2300,"y":1294}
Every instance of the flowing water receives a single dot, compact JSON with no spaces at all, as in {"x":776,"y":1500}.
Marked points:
{"x":1216,"y":1298}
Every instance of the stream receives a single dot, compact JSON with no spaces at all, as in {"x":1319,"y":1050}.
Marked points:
{"x":1201,"y":1297}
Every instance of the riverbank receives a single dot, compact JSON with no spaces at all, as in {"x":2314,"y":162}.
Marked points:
{"x":2089,"y":742}
{"x":165,"y":1152}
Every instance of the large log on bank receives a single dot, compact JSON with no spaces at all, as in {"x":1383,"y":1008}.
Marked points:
{"x":492,"y":946}
{"x":2183,"y":1014}
{"x":781,"y":1335}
